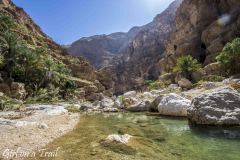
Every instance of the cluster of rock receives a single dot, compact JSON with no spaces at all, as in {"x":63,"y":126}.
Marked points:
{"x":212,"y":103}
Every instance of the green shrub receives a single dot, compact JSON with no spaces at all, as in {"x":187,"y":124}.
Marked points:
{"x":7,"y":103}
{"x":44,"y":95}
{"x":6,"y":22}
{"x":1,"y":59}
{"x":72,"y":108}
{"x":157,"y":84}
{"x":213,"y":78}
{"x":229,"y":58}
{"x":187,"y":65}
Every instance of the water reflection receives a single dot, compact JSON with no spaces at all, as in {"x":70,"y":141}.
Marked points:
{"x":216,"y":132}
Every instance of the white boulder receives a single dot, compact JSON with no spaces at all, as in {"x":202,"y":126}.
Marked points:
{"x":119,"y":138}
{"x":173,"y":105}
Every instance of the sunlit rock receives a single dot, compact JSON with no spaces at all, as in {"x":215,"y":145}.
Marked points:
{"x":119,"y":138}
{"x":173,"y":105}
{"x":219,"y":107}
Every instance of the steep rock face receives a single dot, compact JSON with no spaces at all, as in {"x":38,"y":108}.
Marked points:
{"x":139,"y":61}
{"x":202,"y":29}
{"x":34,"y":36}
{"x":101,"y":49}
{"x":129,"y":58}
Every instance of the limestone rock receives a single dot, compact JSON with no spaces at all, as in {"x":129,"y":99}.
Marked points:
{"x":130,"y":94}
{"x":119,"y":138}
{"x":106,"y":103}
{"x":155,"y":103}
{"x":173,"y":105}
{"x":118,"y":103}
{"x":185,"y":83}
{"x":219,"y":107}
{"x":109,"y":109}
{"x":139,"y":107}
{"x":213,"y":69}
{"x":199,"y":31}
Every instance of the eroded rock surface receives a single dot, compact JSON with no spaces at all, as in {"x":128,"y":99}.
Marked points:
{"x":219,"y":107}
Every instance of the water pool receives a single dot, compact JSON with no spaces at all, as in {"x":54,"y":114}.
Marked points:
{"x":154,"y":138}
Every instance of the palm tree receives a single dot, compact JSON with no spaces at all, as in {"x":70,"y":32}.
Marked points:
{"x":11,"y":45}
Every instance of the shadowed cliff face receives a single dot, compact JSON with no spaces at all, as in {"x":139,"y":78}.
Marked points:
{"x":101,"y":49}
{"x":202,"y":29}
{"x":138,"y":62}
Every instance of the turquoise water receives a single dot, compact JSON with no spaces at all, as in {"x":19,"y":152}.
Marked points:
{"x":155,"y":137}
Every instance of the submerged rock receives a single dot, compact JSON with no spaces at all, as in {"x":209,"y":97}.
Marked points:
{"x":220,"y":107}
{"x":173,"y":105}
{"x":119,"y":138}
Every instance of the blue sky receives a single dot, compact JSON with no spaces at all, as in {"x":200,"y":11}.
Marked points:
{"x":68,"y":20}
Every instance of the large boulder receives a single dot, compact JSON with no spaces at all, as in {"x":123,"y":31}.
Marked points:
{"x":213,"y":69}
{"x":185,"y":83}
{"x":219,"y":107}
{"x":173,"y":105}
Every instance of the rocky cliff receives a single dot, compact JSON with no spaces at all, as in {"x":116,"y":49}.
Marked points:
{"x":129,"y":58}
{"x":199,"y":28}
{"x":101,"y":49}
{"x":202,"y":29}
{"x":138,"y":62}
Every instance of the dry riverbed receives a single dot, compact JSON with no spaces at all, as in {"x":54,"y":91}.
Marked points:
{"x":24,"y":134}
